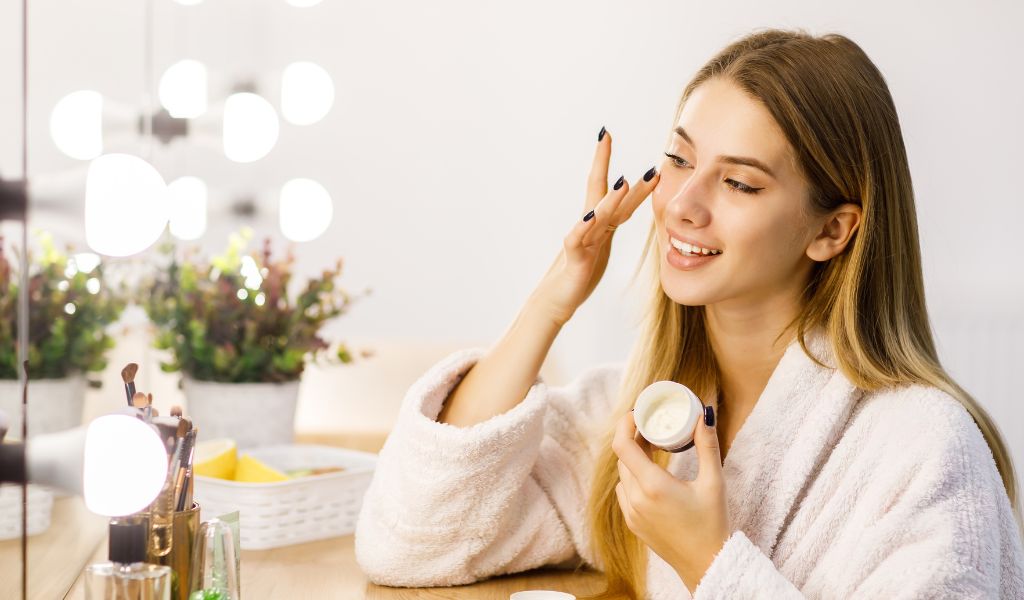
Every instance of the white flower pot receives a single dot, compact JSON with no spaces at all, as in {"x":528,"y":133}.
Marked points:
{"x":53,"y":404}
{"x":252,"y":414}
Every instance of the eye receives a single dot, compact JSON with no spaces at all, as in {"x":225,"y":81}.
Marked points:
{"x":677,"y":160}
{"x":734,"y":185}
{"x":742,"y":187}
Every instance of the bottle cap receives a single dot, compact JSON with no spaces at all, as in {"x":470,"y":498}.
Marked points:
{"x":127,"y":541}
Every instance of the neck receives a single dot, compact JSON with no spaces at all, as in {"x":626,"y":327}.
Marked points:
{"x":748,"y":346}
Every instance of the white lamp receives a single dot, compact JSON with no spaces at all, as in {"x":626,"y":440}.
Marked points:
{"x":117,"y":463}
{"x":183,"y":89}
{"x":307,"y":93}
{"x":305,"y":210}
{"x":125,"y":205}
{"x":250,"y":127}
{"x":188,"y":198}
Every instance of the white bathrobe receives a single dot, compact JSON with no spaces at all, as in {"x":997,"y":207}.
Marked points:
{"x":832,"y":492}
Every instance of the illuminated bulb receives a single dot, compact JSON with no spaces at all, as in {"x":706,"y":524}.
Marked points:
{"x":76,"y":124}
{"x":125,"y":205}
{"x":307,"y":93}
{"x":125,"y":465}
{"x":182,"y":89}
{"x":260,"y":299}
{"x":305,"y":210}
{"x":69,"y":308}
{"x":250,"y":127}
{"x":85,"y":261}
{"x":93,"y":285}
{"x":242,"y":294}
{"x":64,"y":285}
{"x":187,"y":196}
{"x":251,"y":272}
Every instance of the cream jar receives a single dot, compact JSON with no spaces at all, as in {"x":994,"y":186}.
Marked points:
{"x":666,"y":413}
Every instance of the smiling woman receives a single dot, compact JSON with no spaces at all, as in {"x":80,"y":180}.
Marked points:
{"x":836,"y":457}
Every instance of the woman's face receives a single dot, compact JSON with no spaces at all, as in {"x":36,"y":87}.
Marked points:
{"x":706,"y":197}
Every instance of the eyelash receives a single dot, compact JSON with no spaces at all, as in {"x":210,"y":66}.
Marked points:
{"x":739,"y":187}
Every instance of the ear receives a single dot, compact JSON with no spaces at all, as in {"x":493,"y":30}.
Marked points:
{"x":835,"y":233}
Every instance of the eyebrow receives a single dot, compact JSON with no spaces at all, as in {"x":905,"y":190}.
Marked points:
{"x":733,"y":160}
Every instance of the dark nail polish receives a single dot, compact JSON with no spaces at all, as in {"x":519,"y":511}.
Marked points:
{"x":600,"y":135}
{"x":650,"y":174}
{"x":619,"y":183}
{"x":589,"y":216}
{"x":709,"y":416}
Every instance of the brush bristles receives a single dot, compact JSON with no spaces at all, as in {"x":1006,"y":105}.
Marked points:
{"x":128,"y":373}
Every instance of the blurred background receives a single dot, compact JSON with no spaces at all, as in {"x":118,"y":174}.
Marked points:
{"x":441,"y":149}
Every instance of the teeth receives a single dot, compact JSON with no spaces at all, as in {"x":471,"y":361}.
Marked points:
{"x":685,"y":248}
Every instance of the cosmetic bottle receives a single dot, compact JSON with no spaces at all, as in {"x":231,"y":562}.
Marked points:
{"x":126,"y":576}
{"x":666,"y":414}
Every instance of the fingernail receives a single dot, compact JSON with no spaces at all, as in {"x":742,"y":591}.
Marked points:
{"x":618,"y":184}
{"x":709,"y":416}
{"x":600,"y":135}
{"x":589,"y":216}
{"x":650,"y":174}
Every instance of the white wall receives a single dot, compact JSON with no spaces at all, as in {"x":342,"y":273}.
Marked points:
{"x":463,"y":131}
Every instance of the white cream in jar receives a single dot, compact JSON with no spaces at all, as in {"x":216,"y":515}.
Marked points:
{"x":666,"y":414}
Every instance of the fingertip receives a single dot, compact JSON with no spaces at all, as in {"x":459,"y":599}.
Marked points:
{"x":651,"y":174}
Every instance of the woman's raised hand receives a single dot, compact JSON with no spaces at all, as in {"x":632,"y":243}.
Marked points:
{"x":581,"y":263}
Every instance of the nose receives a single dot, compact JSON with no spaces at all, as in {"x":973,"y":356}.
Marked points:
{"x":686,"y":200}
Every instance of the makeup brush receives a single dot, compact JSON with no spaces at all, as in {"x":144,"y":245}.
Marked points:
{"x":128,"y":375}
{"x":140,"y":400}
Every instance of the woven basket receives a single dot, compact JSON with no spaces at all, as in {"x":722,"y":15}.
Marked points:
{"x":295,"y":511}
{"x":40,"y":507}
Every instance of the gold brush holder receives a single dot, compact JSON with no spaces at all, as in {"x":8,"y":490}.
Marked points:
{"x":184,"y":527}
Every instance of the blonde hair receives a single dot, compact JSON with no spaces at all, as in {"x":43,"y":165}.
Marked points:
{"x":837,"y":114}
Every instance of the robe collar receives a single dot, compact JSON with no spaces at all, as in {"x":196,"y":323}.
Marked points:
{"x":785,"y":439}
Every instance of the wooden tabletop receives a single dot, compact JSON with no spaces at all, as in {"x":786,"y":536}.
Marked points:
{"x":328,"y":569}
{"x":321,"y":569}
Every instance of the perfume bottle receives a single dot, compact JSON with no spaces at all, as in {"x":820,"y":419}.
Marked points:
{"x":126,"y":576}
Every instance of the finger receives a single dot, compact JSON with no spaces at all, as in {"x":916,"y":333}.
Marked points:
{"x":597,"y":181}
{"x":604,"y":215}
{"x":592,"y":231}
{"x":646,"y":473}
{"x":709,"y":454}
{"x":636,"y":196}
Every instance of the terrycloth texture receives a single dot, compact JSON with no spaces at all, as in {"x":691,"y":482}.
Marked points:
{"x":832,"y":492}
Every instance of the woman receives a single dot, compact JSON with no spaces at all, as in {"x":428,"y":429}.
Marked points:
{"x":837,"y":458}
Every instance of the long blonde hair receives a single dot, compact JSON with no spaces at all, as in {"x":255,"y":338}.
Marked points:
{"x":836,"y":111}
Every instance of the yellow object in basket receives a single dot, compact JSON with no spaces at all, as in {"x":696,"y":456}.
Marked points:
{"x":250,"y":470}
{"x":216,"y":458}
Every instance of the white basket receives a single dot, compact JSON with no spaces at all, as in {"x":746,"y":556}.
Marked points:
{"x":295,"y":511}
{"x":40,"y":507}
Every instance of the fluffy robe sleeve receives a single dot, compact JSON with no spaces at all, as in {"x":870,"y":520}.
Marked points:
{"x":451,"y":506}
{"x":921,"y":519}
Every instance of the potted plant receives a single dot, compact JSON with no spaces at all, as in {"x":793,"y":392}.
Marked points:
{"x":240,"y":338}
{"x":70,"y":306}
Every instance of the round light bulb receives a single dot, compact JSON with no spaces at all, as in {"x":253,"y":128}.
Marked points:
{"x":124,"y":466}
{"x":182,"y":89}
{"x":187,"y":196}
{"x":307,"y":93}
{"x":76,"y":124}
{"x":305,"y":210}
{"x":250,"y":127}
{"x":125,"y":205}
